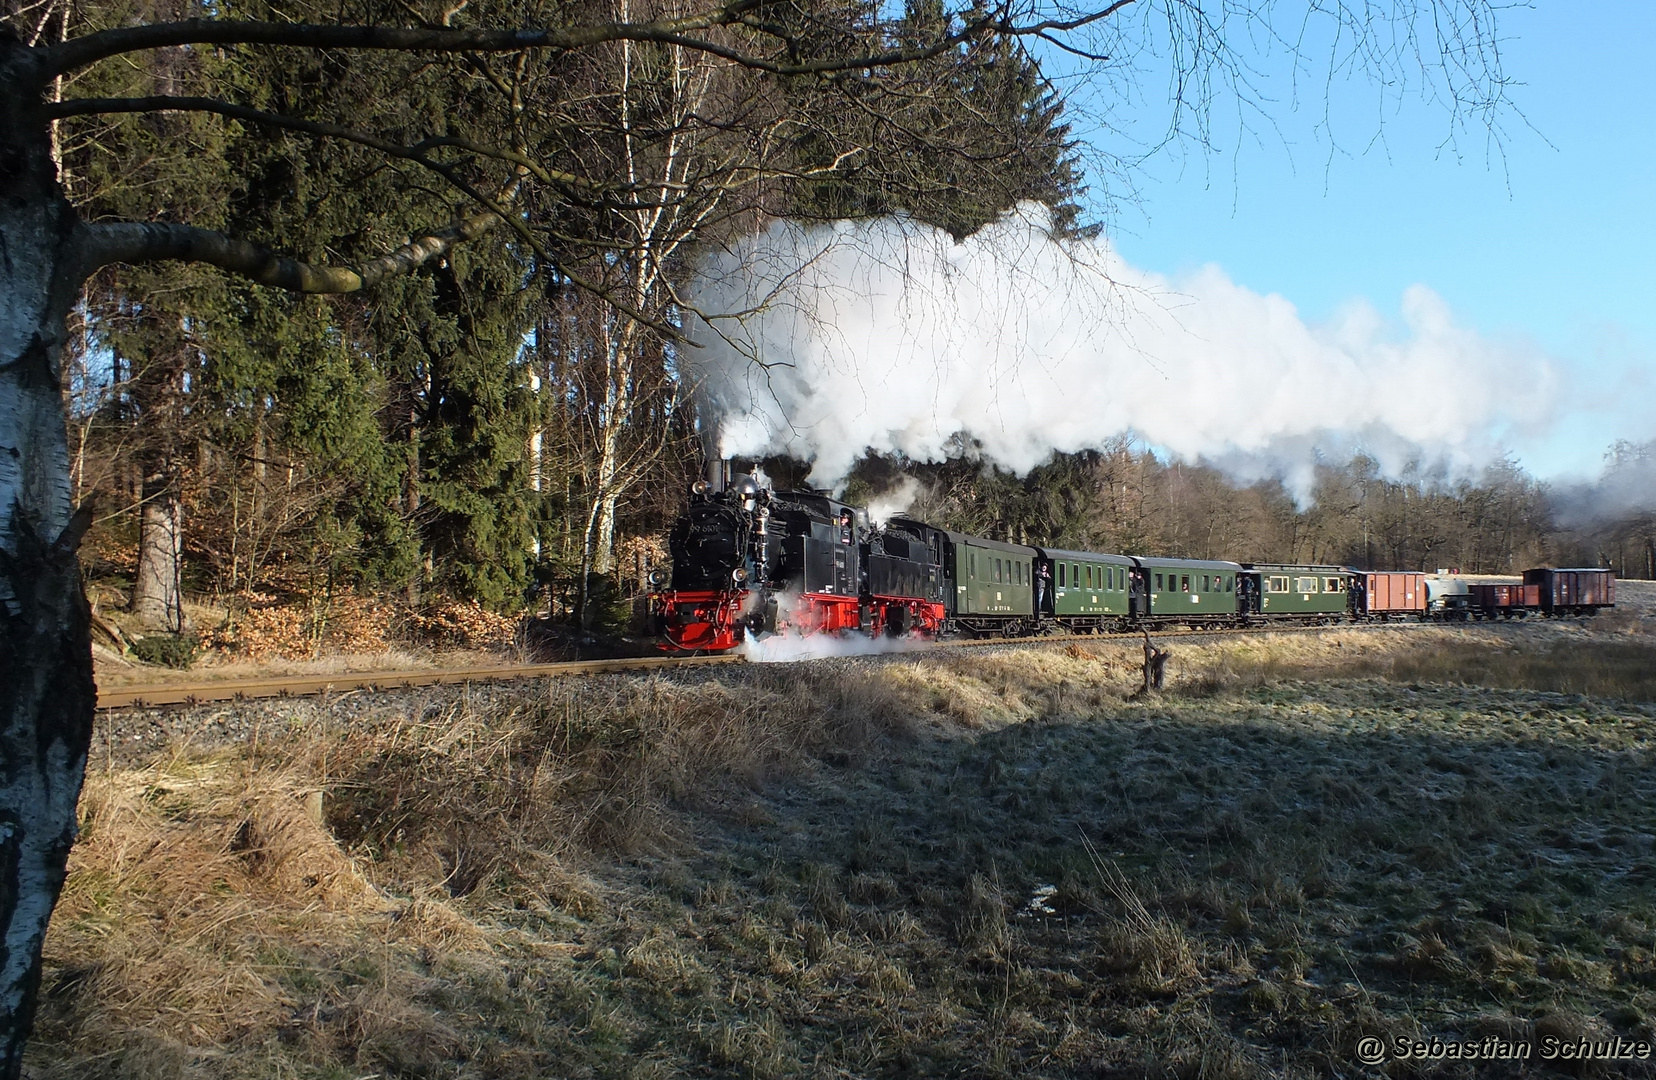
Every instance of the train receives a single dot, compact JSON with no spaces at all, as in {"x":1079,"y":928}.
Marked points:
{"x":747,"y":560}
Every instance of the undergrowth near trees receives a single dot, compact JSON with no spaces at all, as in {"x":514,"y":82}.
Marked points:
{"x":994,"y":864}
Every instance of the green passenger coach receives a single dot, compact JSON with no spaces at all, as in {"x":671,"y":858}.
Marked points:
{"x":994,"y":584}
{"x":1286,"y":589}
{"x":1081,"y":589}
{"x":1187,"y":588}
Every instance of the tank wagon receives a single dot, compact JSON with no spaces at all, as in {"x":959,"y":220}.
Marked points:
{"x":748,"y":560}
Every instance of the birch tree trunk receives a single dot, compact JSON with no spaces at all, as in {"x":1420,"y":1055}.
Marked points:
{"x":157,"y":594}
{"x":46,"y":690}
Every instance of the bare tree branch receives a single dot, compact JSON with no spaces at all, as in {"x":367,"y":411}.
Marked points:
{"x":141,"y":242}
{"x":415,"y":153}
{"x":89,"y":49}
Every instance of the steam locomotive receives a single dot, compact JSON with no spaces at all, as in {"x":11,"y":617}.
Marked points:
{"x":748,"y":560}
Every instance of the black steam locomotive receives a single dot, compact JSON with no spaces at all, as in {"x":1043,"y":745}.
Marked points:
{"x":746,"y":559}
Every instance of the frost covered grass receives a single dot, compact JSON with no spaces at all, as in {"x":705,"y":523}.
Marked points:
{"x":974,"y":863}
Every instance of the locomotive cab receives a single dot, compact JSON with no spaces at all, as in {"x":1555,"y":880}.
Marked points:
{"x":750,"y":560}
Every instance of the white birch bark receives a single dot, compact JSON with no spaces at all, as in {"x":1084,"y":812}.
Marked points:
{"x":46,"y":691}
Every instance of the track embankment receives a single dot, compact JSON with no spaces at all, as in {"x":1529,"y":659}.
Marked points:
{"x":277,"y":686}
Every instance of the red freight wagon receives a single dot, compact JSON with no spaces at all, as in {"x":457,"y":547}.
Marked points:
{"x":1573,"y":590}
{"x":1504,"y":601}
{"x":1392,"y":594}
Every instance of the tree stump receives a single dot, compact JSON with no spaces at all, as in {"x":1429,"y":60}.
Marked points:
{"x":1155,"y":665}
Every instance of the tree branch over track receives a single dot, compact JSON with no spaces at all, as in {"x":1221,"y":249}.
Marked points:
{"x":418,"y":152}
{"x":89,"y":49}
{"x":139,"y":242}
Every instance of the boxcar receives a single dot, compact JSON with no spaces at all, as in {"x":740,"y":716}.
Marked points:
{"x":1186,"y":588}
{"x":1503,"y":600}
{"x":1301,"y":590}
{"x":1081,"y":589}
{"x":1391,"y":594}
{"x":1573,"y":590}
{"x":994,"y":584}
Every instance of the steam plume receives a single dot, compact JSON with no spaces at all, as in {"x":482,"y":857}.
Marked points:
{"x":826,"y":341}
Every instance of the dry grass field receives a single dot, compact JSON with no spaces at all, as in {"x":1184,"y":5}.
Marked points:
{"x":969,"y":863}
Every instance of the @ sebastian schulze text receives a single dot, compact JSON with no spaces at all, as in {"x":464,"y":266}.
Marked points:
{"x":1372,"y":1050}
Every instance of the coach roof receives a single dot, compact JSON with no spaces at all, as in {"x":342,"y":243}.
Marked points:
{"x":1186,"y":564}
{"x":1084,"y":556}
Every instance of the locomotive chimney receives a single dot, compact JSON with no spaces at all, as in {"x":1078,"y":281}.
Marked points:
{"x":715,"y":475}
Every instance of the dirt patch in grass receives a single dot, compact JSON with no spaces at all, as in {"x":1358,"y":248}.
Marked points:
{"x":974,"y":864}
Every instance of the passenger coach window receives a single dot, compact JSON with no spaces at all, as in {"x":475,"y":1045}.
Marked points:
{"x":1207,"y":582}
{"x":1158,"y":582}
{"x":1061,"y":575}
{"x":1184,"y":583}
{"x":1307,"y":584}
{"x":1227,"y":583}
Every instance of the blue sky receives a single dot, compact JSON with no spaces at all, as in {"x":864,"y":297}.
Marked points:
{"x":1545,"y":241}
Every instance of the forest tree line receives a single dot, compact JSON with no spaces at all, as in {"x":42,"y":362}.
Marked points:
{"x":1126,"y":498}
{"x":509,"y":424}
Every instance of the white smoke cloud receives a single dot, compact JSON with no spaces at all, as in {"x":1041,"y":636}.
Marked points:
{"x":826,"y":341}
{"x":1625,"y":488}
{"x":893,"y":501}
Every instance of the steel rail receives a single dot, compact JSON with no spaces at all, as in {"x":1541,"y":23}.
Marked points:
{"x":196,"y":693}
{"x":276,"y":686}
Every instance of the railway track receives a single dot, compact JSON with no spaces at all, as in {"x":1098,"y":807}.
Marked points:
{"x":197,"y":693}
{"x":204,"y":692}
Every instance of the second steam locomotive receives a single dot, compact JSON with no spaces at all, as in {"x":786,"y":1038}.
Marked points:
{"x":749,"y":561}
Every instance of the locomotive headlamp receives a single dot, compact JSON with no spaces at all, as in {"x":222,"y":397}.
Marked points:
{"x":699,"y":487}
{"x":658,"y":578}
{"x":739,"y":574}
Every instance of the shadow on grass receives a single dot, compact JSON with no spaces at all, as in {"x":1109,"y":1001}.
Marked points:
{"x":1225,"y":885}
